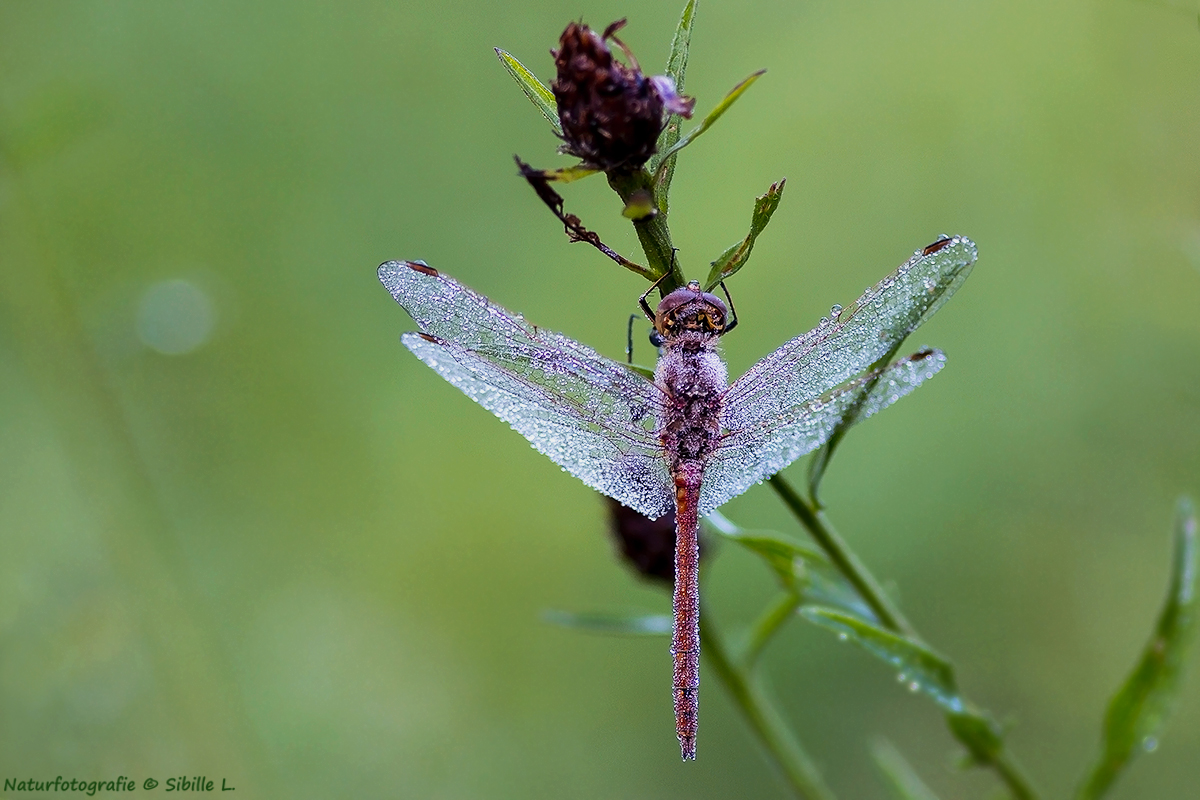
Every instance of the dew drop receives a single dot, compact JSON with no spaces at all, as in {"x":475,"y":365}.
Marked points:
{"x":835,"y":310}
{"x":1150,"y":744}
{"x":843,"y":637}
{"x":913,"y":686}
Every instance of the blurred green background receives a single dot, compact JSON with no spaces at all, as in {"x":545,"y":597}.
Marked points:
{"x":247,"y":535}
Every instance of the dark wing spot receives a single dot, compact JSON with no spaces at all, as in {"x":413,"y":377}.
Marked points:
{"x":933,"y":248}
{"x":430,"y":338}
{"x":421,"y":266}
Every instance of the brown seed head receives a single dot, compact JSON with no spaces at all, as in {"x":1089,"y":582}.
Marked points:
{"x":611,"y":114}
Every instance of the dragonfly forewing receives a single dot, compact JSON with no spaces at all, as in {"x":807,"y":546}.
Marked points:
{"x":592,"y":416}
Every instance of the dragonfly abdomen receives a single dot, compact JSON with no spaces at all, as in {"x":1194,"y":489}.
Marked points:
{"x":693,"y":378}
{"x":685,"y":635}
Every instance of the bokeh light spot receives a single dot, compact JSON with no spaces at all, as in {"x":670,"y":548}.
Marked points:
{"x":175,"y":317}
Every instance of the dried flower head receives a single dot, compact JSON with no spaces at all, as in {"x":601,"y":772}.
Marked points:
{"x":648,"y":545}
{"x":611,"y":114}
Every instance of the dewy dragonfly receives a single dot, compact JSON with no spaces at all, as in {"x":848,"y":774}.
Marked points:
{"x":687,"y":439}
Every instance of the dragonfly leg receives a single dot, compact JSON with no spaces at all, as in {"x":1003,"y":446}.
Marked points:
{"x":629,"y":340}
{"x":733,"y":320}
{"x":649,"y":312}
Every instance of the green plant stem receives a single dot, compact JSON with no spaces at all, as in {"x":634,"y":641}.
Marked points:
{"x":844,"y":559}
{"x":814,"y":521}
{"x":793,"y":762}
{"x":652,"y":232}
{"x":768,"y":623}
{"x":1014,"y":777}
{"x":797,"y":768}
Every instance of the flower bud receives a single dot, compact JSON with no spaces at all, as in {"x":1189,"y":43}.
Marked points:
{"x":611,"y":114}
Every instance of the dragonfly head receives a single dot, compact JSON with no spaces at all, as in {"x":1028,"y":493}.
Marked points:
{"x":689,"y":309}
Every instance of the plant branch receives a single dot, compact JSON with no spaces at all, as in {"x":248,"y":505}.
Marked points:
{"x":1014,"y":777}
{"x":767,"y":625}
{"x":793,"y":762}
{"x":889,"y":615}
{"x":822,"y":532}
{"x":539,"y":180}
{"x":652,"y":232}
{"x":801,"y":774}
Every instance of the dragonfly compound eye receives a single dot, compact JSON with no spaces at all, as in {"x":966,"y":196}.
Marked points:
{"x":689,"y":309}
{"x":713,"y":313}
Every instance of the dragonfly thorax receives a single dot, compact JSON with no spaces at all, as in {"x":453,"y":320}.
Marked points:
{"x":690,"y":310}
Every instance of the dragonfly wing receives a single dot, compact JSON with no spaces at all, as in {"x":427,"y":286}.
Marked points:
{"x":750,"y":454}
{"x":592,"y":416}
{"x":853,"y":339}
{"x":787,"y":404}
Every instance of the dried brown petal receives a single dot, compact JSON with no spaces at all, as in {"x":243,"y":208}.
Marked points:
{"x":611,"y":114}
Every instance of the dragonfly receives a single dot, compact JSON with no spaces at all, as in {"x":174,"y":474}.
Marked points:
{"x":687,"y":439}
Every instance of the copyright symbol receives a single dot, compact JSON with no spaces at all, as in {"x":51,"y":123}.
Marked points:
{"x":150,"y":783}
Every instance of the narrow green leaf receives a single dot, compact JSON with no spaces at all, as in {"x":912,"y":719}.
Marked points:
{"x":920,"y":670}
{"x":901,"y":777}
{"x":668,"y":158}
{"x":979,"y":733}
{"x":871,"y":393}
{"x":534,"y":89}
{"x":677,"y":62}
{"x":945,"y":268}
{"x":612,"y":622}
{"x":681,"y":43}
{"x":918,"y":667}
{"x":763,"y":629}
{"x":640,"y":206}
{"x":736,"y":256}
{"x":645,"y":372}
{"x":800,"y":568}
{"x":853,"y":415}
{"x":1137,"y":712}
{"x":567,"y":174}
